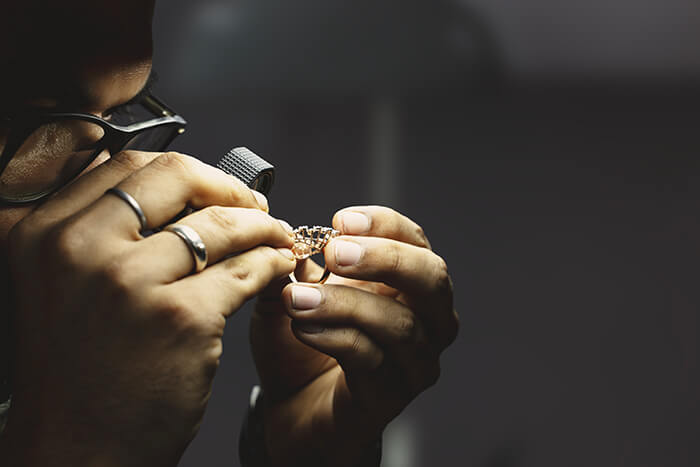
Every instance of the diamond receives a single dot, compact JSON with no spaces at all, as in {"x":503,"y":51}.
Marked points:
{"x":301,"y":250}
{"x":309,"y":241}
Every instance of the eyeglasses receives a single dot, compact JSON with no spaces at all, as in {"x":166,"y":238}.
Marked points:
{"x":45,"y":151}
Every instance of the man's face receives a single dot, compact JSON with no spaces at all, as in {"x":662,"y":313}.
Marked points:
{"x":103,"y":61}
{"x":103,"y":89}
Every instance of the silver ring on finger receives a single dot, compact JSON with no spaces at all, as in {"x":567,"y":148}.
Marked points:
{"x":194,"y":243}
{"x":133,"y":204}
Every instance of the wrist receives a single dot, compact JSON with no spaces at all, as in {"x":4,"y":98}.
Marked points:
{"x":51,"y":430}
{"x":21,"y":446}
{"x":31,"y":440}
{"x":265,"y":443}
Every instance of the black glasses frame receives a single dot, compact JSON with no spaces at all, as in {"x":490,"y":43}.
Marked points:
{"x":114,"y":139}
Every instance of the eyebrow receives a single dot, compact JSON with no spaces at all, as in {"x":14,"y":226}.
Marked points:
{"x":144,"y":91}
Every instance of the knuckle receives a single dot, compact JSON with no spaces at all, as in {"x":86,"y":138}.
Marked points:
{"x":359,"y":352}
{"x":267,"y":254}
{"x":175,"y":314}
{"x":356,"y":342}
{"x":132,"y":161}
{"x":65,"y":243}
{"x":175,"y":161}
{"x":271,"y":224}
{"x":443,"y":282}
{"x":341,"y":302}
{"x":395,"y":258}
{"x":240,"y":195}
{"x":277,"y":264}
{"x":406,"y":328}
{"x":116,"y":274}
{"x":253,"y":273}
{"x":213,"y":354}
{"x":263,"y":222}
{"x":220,"y":217}
{"x":272,"y":257}
{"x":422,"y":238}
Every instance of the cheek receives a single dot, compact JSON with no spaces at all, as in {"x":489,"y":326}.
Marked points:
{"x":11,"y":215}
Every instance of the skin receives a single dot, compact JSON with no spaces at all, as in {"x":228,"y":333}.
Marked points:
{"x":336,"y":370}
{"x":117,"y":343}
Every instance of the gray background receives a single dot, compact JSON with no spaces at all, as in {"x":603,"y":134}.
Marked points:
{"x":550,"y":150}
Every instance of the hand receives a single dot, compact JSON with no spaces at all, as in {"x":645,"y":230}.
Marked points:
{"x":339,"y":361}
{"x":117,"y":342}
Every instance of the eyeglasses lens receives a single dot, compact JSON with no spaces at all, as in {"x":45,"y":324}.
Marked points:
{"x":153,"y":139}
{"x":53,"y":154}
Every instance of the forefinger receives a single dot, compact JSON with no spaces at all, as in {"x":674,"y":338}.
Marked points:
{"x":415,"y":271}
{"x":380,"y":221}
{"x":420,"y":275}
{"x":90,"y":186}
{"x":167,"y":185}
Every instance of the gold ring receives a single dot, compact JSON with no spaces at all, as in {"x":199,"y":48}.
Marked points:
{"x":309,"y":241}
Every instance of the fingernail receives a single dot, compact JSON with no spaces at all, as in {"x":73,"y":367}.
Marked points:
{"x":261,"y":199}
{"x":309,"y":328}
{"x":287,"y":253}
{"x":347,"y":253}
{"x":354,"y":223}
{"x":305,"y":298}
{"x":287,"y":228}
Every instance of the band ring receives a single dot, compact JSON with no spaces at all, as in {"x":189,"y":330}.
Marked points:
{"x":324,"y":277}
{"x":133,"y":204}
{"x":309,"y":241}
{"x":194,"y":243}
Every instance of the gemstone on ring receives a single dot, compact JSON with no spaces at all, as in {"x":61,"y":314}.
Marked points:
{"x":309,"y":241}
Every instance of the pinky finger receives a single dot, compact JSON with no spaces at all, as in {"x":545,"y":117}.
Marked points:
{"x":353,"y":349}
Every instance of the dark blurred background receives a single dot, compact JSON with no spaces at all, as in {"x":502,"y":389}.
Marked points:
{"x":550,"y":150}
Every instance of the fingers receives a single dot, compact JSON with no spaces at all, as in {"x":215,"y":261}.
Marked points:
{"x":167,"y":185}
{"x":224,"y":231}
{"x":90,"y":186}
{"x":420,"y":274}
{"x":384,"y":319}
{"x":400,"y":265}
{"x":353,"y":349}
{"x":379,"y":221}
{"x":361,"y":330}
{"x":390,"y":323}
{"x":227,"y":285}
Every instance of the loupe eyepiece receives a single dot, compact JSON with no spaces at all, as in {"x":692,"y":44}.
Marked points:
{"x":250,"y":168}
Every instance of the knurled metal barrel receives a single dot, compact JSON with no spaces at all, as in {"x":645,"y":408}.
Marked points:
{"x":250,"y":168}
